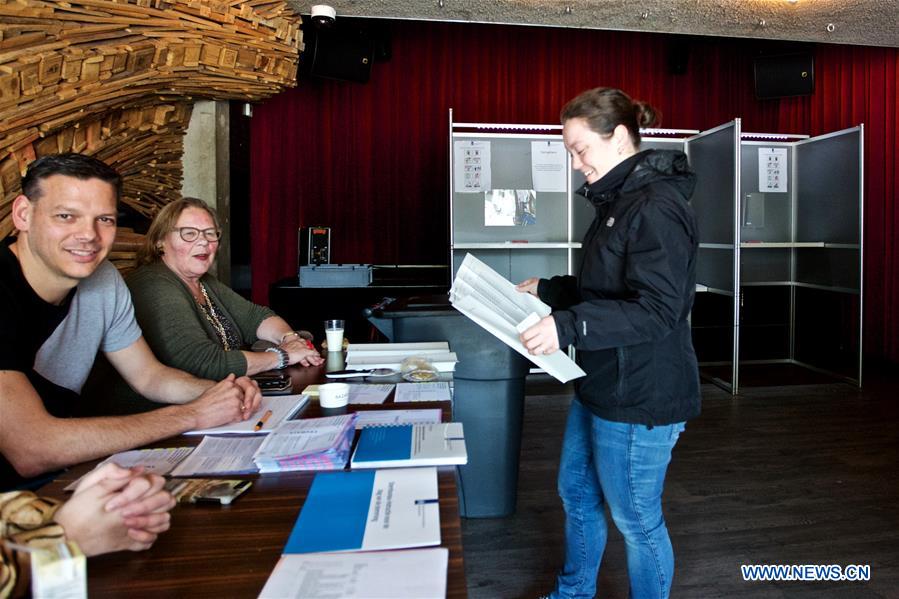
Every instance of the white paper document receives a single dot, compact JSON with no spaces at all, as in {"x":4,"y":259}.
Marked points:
{"x":421,"y":348}
{"x":549,"y":166}
{"x":363,"y":393}
{"x":159,"y":461}
{"x":390,"y":355}
{"x":443,"y":362}
{"x":397,"y":417}
{"x":772,"y":169}
{"x":487,"y":298}
{"x":411,"y":445}
{"x":361,"y":575}
{"x":283,"y":408}
{"x":221,"y":455}
{"x":471,"y":162}
{"x":322,"y":438}
{"x":407,"y":392}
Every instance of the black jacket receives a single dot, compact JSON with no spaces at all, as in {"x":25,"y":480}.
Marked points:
{"x":627,"y":312}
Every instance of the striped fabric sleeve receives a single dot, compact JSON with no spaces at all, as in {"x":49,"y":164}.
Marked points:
{"x":25,"y":519}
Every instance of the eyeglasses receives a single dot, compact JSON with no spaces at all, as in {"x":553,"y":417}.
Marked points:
{"x":190,"y":234}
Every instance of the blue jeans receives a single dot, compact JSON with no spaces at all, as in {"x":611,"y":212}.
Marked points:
{"x":622,"y":465}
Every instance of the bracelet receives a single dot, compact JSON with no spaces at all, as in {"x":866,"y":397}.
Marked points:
{"x":283,"y":357}
{"x":303,"y":336}
{"x":288,"y":334}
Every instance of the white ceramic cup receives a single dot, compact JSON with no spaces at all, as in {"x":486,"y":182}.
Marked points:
{"x":333,"y":395}
{"x":334,"y":334}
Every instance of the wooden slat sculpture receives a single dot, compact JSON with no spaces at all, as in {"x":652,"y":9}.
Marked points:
{"x":117,"y":80}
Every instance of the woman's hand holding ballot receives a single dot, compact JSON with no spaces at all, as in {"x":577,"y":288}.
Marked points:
{"x":542,"y":338}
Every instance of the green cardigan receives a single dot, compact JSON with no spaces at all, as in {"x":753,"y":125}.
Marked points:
{"x":179,"y":335}
{"x":177,"y":330}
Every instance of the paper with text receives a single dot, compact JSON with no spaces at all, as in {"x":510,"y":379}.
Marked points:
{"x":549,"y":166}
{"x":368,"y":510}
{"x":360,"y":575}
{"x":283,"y":408}
{"x":411,"y":445}
{"x":485,"y":297}
{"x":436,"y":391}
{"x":308,"y":444}
{"x":397,"y":417}
{"x":159,"y":461}
{"x":363,"y":393}
{"x":221,"y":455}
{"x":471,"y":163}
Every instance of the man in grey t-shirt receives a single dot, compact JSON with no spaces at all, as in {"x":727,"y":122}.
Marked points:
{"x":61,"y":303}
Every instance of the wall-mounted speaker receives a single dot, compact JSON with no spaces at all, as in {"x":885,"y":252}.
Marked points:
{"x":678,"y":56}
{"x":784,"y":75}
{"x":340,"y":52}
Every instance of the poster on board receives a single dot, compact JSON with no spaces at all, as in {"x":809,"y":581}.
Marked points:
{"x":773,"y":170}
{"x":548,"y":166}
{"x":471,"y":160}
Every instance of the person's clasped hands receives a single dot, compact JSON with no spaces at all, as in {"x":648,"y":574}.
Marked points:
{"x":116,"y":509}
{"x":231,"y":399}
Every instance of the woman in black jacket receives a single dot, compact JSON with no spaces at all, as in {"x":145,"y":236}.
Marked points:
{"x":627,"y":315}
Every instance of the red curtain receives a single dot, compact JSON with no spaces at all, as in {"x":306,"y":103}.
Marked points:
{"x":371,"y":160}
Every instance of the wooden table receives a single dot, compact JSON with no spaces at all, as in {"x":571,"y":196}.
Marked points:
{"x":229,"y":551}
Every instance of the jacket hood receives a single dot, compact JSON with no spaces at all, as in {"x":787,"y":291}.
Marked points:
{"x":648,"y":166}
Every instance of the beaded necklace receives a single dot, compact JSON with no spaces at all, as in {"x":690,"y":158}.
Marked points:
{"x":212,"y":317}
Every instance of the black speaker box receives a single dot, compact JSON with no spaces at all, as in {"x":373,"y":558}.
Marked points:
{"x":343,"y":53}
{"x":678,"y":57}
{"x":784,"y":75}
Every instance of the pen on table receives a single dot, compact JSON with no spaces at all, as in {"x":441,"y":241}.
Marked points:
{"x":262,"y":420}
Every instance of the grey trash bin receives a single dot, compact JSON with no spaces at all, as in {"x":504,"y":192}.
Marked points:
{"x":488,"y":397}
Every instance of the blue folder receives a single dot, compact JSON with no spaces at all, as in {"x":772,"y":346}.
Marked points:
{"x":333,"y":517}
{"x":384,"y":443}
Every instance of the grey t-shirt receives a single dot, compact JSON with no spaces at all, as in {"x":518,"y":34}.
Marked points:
{"x":101,"y":317}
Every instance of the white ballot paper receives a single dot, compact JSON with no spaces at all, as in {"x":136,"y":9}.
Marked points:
{"x":221,"y":455}
{"x":436,"y":391}
{"x":159,"y":461}
{"x":484,"y":296}
{"x":362,"y":393}
{"x":406,"y":574}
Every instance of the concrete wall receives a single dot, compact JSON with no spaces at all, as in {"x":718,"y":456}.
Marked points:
{"x":206,"y":170}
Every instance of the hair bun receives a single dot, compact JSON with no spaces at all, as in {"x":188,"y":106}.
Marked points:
{"x":647,"y":116}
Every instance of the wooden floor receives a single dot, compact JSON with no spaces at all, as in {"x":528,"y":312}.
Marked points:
{"x":805,"y":474}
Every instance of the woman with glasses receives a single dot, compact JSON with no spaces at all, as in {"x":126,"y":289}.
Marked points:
{"x":191,"y":320}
